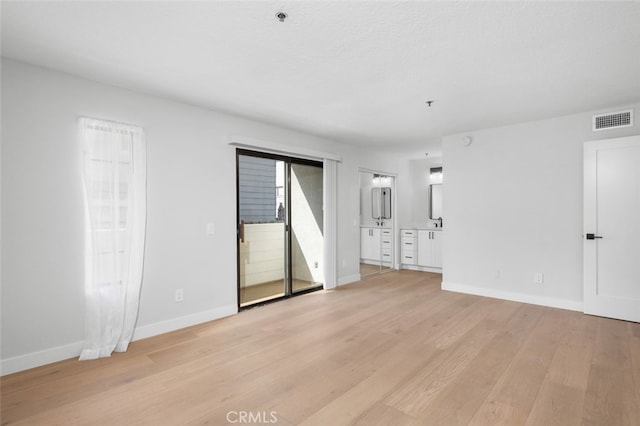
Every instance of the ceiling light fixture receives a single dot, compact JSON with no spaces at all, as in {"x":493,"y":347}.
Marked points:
{"x":281,"y":16}
{"x":429,"y":103}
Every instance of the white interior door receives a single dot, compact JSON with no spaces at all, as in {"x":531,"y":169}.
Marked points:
{"x":611,"y":244}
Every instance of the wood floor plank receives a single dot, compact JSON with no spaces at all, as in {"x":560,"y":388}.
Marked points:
{"x":360,"y":398}
{"x":418,"y":393}
{"x":611,"y":394}
{"x":390,"y":349}
{"x":560,"y":400}
{"x":512,"y":398}
{"x":460,"y":401}
{"x":557,"y":405}
{"x":572,"y":361}
{"x":383,"y":415}
{"x":634,"y":334}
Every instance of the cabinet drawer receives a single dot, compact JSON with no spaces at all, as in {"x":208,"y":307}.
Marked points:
{"x":408,"y":259}
{"x":409,"y":253}
{"x":408,"y":233}
{"x":410,"y":244}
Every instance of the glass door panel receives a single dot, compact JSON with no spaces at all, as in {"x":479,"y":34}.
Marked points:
{"x":307,"y":241}
{"x":376,"y":223}
{"x":383,"y":188}
{"x":262,"y":229}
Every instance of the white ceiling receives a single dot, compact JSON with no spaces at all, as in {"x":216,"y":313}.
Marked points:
{"x":357,"y":72}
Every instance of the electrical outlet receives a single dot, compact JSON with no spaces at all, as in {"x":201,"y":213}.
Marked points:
{"x":315,"y":265}
{"x":497,"y":274}
{"x":538,"y":278}
{"x":179,"y":295}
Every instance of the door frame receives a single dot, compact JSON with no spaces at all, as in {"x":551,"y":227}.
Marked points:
{"x":395,"y":265}
{"x":591,"y":304}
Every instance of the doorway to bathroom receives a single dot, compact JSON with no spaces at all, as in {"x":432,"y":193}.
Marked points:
{"x":280,"y":227}
{"x":377,"y":222}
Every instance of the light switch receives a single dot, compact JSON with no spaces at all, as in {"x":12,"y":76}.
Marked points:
{"x":210,"y":229}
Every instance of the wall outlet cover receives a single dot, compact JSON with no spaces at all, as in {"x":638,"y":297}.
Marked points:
{"x":179,"y":296}
{"x":538,"y":278}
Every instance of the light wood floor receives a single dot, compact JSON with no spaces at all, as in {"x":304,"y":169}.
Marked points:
{"x":391,"y":350}
{"x":271,"y":290}
{"x":367,"y":269}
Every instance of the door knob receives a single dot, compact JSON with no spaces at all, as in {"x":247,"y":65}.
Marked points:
{"x":593,"y":236}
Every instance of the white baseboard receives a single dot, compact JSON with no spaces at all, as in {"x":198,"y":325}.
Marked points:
{"x":72,"y":350}
{"x":173,"y":324}
{"x":572,"y":305}
{"x":349,"y":279}
{"x":36,"y":359}
{"x":422,"y":268}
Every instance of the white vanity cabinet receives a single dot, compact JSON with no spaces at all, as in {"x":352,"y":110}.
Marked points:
{"x":430,"y":248}
{"x":408,"y":246}
{"x":376,"y":244}
{"x":386,"y":246}
{"x":370,"y":244}
{"x":421,"y":249}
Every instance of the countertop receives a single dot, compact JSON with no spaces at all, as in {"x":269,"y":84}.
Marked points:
{"x":422,"y":228}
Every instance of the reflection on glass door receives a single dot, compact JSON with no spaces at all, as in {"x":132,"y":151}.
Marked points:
{"x":382,"y":212}
{"x":280,"y":227}
{"x":376,"y":223}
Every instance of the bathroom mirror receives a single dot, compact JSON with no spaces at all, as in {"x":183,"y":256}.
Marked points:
{"x":381,"y":203}
{"x":435,"y":201}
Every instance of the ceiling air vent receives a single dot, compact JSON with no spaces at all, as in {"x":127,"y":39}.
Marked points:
{"x":613,"y":120}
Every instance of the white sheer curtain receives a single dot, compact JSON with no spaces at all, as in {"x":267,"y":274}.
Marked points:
{"x":114,"y":178}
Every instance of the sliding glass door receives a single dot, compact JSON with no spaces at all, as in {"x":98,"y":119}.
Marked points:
{"x":280,"y":228}
{"x":261,"y":233}
{"x":307,"y":241}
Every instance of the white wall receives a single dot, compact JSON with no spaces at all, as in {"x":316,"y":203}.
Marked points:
{"x":191,"y":182}
{"x":513,"y":207}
